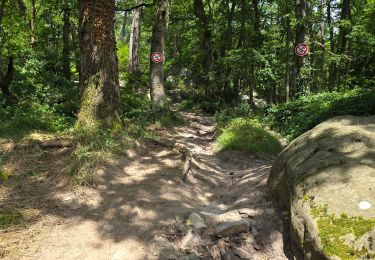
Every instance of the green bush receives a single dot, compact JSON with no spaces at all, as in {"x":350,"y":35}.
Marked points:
{"x":25,"y":117}
{"x":247,"y":135}
{"x":294,"y":118}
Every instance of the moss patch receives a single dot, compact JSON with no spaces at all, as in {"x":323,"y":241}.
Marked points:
{"x":247,"y":135}
{"x":332,"y":228}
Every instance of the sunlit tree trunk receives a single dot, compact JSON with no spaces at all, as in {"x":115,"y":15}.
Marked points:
{"x":157,"y":45}
{"x":100,"y":93}
{"x":134,"y":65}
{"x":33,"y":24}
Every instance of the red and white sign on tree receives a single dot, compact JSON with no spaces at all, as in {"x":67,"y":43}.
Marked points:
{"x":157,"y":57}
{"x":301,"y":49}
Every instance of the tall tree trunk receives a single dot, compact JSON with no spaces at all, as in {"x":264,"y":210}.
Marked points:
{"x":321,"y":58}
{"x":157,"y":45}
{"x":66,"y":42}
{"x":33,"y":24}
{"x":241,"y":79}
{"x":134,"y":65}
{"x":332,"y":66}
{"x":300,"y":13}
{"x":100,"y":91}
{"x":226,"y":46}
{"x":206,"y":43}
{"x":343,"y":31}
{"x":258,"y":42}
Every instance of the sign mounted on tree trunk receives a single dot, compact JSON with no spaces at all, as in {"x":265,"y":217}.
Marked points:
{"x":301,"y":49}
{"x":157,"y":57}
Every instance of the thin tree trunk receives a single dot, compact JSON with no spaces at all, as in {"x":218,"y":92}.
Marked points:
{"x":33,"y":23}
{"x":332,"y":66}
{"x":134,"y":65}
{"x":100,"y":91}
{"x":66,"y":42}
{"x":157,"y":45}
{"x":206,"y":43}
{"x":258,"y":41}
{"x":288,"y":58}
{"x":75,"y":45}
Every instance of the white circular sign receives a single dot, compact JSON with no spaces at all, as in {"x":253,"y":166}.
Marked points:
{"x":364,"y":205}
{"x":157,"y":57}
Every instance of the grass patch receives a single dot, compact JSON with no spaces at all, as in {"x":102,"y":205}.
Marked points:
{"x":10,"y":218}
{"x":248,"y":136}
{"x":332,"y":228}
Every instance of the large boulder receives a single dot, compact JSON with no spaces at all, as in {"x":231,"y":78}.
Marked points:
{"x":326,"y":178}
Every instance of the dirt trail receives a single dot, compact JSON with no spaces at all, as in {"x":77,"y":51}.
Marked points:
{"x":137,"y":210}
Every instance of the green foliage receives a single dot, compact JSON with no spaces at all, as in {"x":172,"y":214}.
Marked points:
{"x":10,"y":218}
{"x":247,"y":135}
{"x":226,"y":114}
{"x":140,"y":111}
{"x":333,"y":228}
{"x":25,"y":117}
{"x":294,"y":118}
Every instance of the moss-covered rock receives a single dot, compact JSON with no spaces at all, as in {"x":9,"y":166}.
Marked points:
{"x":326,"y":178}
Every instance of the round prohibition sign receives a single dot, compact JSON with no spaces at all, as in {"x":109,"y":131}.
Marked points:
{"x":157,"y":57}
{"x":301,"y":49}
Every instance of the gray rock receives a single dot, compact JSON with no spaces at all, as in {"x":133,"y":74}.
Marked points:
{"x":195,"y":220}
{"x":333,"y":165}
{"x":231,"y":228}
{"x":242,"y":254}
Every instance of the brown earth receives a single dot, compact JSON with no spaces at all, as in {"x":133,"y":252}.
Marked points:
{"x":138,"y":208}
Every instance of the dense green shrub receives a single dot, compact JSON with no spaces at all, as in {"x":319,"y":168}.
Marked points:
{"x":248,"y":135}
{"x":294,"y":118}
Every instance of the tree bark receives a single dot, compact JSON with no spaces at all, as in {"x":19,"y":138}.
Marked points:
{"x":66,"y":42}
{"x":157,"y":45}
{"x":6,"y":80}
{"x":100,"y":91}
{"x":134,"y":65}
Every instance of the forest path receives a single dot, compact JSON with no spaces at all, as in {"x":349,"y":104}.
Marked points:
{"x":138,"y":208}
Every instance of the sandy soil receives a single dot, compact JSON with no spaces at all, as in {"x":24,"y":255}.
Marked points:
{"x":138,"y":208}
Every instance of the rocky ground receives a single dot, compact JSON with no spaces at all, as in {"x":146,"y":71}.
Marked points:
{"x":152,"y":204}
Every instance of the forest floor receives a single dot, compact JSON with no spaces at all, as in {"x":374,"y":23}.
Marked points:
{"x":138,"y":207}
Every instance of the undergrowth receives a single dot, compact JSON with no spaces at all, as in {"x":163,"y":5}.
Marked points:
{"x":294,"y":118}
